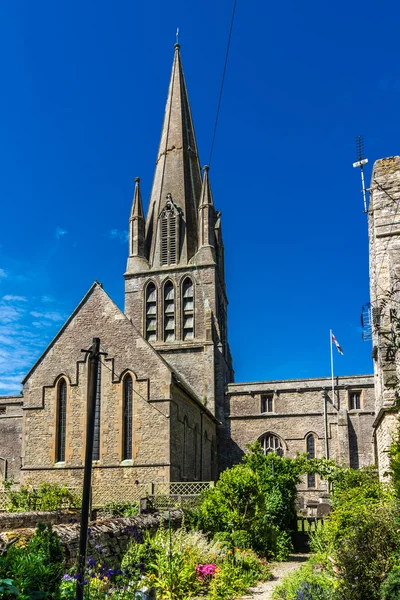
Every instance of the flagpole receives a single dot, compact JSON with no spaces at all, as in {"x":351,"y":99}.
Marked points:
{"x":333,"y":384}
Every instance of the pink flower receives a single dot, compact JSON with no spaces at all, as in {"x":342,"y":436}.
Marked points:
{"x":205,"y":571}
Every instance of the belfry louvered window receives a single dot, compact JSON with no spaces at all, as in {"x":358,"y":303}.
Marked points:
{"x":169,"y":312}
{"x":310,"y":444}
{"x":127,"y":429}
{"x":96,"y":436}
{"x":188,"y":309}
{"x":151,"y":313}
{"x":61,"y":419}
{"x":169,"y":230}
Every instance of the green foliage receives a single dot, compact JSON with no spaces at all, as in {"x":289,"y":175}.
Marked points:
{"x":120,"y":509}
{"x":236,"y":574}
{"x":35,"y":570}
{"x":253,"y":504}
{"x":360,"y":535}
{"x":310,"y":582}
{"x":47,"y":496}
{"x":390,"y":588}
{"x":8,"y":589}
{"x":172,"y":562}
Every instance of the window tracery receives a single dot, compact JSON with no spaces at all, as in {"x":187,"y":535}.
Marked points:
{"x":271,"y":443}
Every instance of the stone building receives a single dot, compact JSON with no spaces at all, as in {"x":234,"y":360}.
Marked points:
{"x":384,"y":252}
{"x":167,"y":408}
{"x":10,"y":437}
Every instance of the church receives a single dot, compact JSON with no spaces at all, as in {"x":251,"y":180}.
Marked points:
{"x":167,"y":406}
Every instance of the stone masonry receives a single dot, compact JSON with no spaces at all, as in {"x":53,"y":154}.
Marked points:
{"x":10,"y":437}
{"x":187,"y":420}
{"x":384,"y":251}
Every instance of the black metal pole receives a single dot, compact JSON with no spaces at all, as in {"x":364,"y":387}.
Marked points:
{"x":94,"y":353}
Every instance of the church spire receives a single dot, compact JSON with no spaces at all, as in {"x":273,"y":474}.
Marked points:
{"x":206,"y":252}
{"x":136,"y":257}
{"x":177,"y":178}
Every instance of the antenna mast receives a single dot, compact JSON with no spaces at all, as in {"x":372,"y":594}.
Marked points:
{"x":360,"y":163}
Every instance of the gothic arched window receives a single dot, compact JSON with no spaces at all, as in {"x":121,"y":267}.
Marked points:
{"x":61,"y":420}
{"x":310,"y":446}
{"x":169,"y":233}
{"x":127,"y":425}
{"x":151,"y":313}
{"x":169,"y":312}
{"x":271,"y":443}
{"x":96,"y":436}
{"x":187,"y":309}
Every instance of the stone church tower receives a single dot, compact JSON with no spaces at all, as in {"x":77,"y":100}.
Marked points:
{"x":174,"y":282}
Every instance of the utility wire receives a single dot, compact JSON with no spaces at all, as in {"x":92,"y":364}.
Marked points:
{"x":137,"y":393}
{"x":222,"y":82}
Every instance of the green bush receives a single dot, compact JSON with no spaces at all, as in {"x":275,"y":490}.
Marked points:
{"x":47,"y":496}
{"x":35,"y":570}
{"x":390,"y":588}
{"x":253,"y":505}
{"x":310,"y":582}
{"x":360,"y":536}
{"x":120,"y":509}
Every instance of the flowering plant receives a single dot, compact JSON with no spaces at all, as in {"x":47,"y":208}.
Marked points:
{"x":205,"y":572}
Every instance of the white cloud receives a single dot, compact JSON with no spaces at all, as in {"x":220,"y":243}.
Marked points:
{"x":9,"y":314}
{"x":21,"y":341}
{"x":60,"y":232}
{"x":3,"y":273}
{"x":118,"y":234}
{"x":10,"y":298}
{"x":47,"y":299}
{"x":49,"y":316}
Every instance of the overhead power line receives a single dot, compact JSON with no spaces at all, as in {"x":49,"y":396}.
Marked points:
{"x":223,"y":81}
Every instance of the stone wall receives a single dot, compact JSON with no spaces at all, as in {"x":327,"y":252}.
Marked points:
{"x":11,"y":521}
{"x":193,"y":440}
{"x":298,"y":411}
{"x":384,"y":254}
{"x":10,"y":437}
{"x":111,"y":535}
{"x":126,"y":352}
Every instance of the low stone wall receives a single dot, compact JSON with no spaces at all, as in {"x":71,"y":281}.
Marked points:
{"x":25,"y":520}
{"x":108,"y":538}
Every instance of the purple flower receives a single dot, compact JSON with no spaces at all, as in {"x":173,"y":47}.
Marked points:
{"x":67,"y":577}
{"x":104,"y":551}
{"x":91,"y":562}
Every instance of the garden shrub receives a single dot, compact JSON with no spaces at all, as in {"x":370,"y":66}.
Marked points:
{"x":119,"y":509}
{"x":360,"y":536}
{"x":390,"y":588}
{"x":310,"y":582}
{"x":47,"y":496}
{"x":35,"y":570}
{"x":253,"y":505}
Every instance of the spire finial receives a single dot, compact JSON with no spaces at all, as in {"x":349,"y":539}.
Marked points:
{"x":137,"y":179}
{"x":177,"y":44}
{"x":206,"y":168}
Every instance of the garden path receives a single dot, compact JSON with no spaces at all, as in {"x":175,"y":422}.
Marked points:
{"x":264,"y":590}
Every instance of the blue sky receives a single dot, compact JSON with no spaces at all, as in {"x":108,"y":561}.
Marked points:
{"x":84,"y":88}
